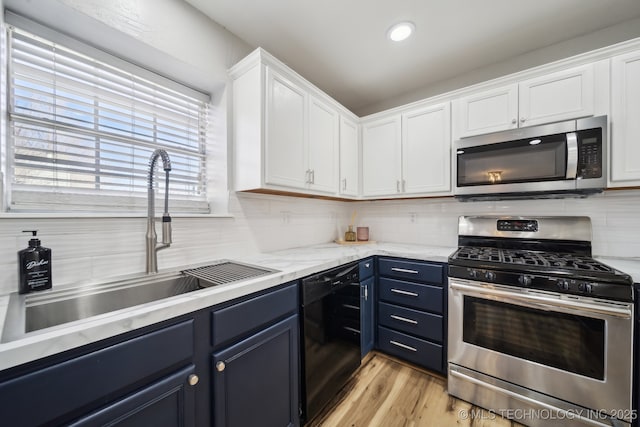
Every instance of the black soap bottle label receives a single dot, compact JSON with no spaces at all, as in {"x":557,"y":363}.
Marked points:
{"x":34,"y":263}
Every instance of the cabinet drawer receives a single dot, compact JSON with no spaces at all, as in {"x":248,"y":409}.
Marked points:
{"x":415,"y":295}
{"x":242,"y":318}
{"x":365,"y":269}
{"x":413,"y":270}
{"x":419,"y":323}
{"x":409,"y":348}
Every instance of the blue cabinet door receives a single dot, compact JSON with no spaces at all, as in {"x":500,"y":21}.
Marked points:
{"x":255,"y":382}
{"x":367,"y":323}
{"x":166,"y":403}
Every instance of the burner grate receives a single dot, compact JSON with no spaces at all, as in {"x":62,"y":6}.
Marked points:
{"x":531,"y":258}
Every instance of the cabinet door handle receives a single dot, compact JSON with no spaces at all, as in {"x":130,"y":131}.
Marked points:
{"x":344,"y":184}
{"x":313,"y":176}
{"x":404,"y":270}
{"x":406,"y":347}
{"x":366,"y":293}
{"x":220,"y":366}
{"x":403,"y":292}
{"x":404,"y":319}
{"x":404,"y":186}
{"x":398,"y":186}
{"x":351,"y":306}
{"x":193,"y":379}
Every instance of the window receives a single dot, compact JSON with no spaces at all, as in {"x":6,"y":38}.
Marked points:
{"x":82,"y":130}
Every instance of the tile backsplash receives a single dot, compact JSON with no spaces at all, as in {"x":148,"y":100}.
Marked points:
{"x":97,"y":248}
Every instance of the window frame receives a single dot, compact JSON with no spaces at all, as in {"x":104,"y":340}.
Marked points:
{"x":92,"y":204}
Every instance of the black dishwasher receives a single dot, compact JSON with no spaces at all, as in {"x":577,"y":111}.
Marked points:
{"x":331,"y":334}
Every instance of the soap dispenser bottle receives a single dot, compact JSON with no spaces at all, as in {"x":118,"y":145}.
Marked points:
{"x":34,"y":264}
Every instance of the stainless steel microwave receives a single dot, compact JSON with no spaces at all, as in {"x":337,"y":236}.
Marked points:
{"x":552,"y":160}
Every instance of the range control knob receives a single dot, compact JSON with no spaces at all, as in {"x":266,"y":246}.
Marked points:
{"x":563,"y":285}
{"x":473,"y":273}
{"x":585,"y":287}
{"x":490,"y":275}
{"x":524,"y":280}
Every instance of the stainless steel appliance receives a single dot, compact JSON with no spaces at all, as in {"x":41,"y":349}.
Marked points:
{"x":538,"y":330}
{"x":564,"y":158}
{"x":331,"y":334}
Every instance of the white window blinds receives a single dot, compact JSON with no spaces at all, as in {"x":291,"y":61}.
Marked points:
{"x":82,"y":132}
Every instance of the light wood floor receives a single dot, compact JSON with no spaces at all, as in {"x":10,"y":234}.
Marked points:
{"x":389,"y":393}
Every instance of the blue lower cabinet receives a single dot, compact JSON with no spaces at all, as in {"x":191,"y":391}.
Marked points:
{"x":106,"y":383}
{"x":169,"y":402}
{"x":367,"y":320}
{"x":255,"y":381}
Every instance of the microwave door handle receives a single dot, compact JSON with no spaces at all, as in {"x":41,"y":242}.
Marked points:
{"x":572,"y":155}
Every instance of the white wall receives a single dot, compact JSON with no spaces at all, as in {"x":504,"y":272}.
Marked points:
{"x":96,"y":249}
{"x":614,"y":216}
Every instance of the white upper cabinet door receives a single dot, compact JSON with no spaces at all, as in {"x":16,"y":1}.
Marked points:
{"x":348,"y":157}
{"x":323,"y":146}
{"x":285,"y":132}
{"x":564,"y":95}
{"x":625,"y":120}
{"x":381,"y":157}
{"x":489,"y":111}
{"x":426,"y":150}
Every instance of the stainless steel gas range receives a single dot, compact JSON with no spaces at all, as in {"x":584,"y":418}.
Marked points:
{"x":539,"y":331}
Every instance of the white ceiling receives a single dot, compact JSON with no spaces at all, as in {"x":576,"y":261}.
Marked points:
{"x":341,"y":45}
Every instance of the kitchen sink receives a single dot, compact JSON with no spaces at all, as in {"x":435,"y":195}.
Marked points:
{"x":36,"y":311}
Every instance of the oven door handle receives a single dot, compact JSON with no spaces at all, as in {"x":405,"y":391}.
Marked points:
{"x":543,"y":302}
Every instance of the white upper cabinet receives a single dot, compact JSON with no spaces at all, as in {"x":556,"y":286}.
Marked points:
{"x":286,"y":133}
{"x":286,"y":162}
{"x":381,"y":157}
{"x":562,"y":95}
{"x":426,"y":150}
{"x":625,"y":120}
{"x":408,"y":153}
{"x":488,"y":111}
{"x":323,"y":140}
{"x":349,"y":156}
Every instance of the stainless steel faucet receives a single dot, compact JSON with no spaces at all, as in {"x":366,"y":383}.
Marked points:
{"x":152,"y":238}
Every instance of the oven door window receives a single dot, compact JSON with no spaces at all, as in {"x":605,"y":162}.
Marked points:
{"x":514,"y":162}
{"x":568,"y":342}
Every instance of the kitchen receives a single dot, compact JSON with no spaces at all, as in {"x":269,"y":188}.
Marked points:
{"x":90,"y":248}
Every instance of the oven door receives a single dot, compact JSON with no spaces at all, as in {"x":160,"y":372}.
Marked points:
{"x":572,"y":348}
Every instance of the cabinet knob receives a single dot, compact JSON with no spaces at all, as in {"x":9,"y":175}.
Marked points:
{"x":514,"y":121}
{"x":193,"y":379}
{"x":522,"y":119}
{"x":220,"y":366}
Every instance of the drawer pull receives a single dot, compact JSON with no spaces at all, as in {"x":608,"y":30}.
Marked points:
{"x":220,"y":366}
{"x":352,"y":307}
{"x":404,"y":319}
{"x":404,"y":270}
{"x":399,"y":344}
{"x":350,"y":329}
{"x":403,"y":292}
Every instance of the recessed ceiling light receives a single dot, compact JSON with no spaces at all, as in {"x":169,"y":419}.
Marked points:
{"x":401,"y":31}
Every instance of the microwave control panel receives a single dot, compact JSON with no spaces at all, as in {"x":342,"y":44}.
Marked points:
{"x":590,"y":157}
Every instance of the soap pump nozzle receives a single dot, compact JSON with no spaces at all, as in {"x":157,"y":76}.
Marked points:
{"x":35,"y":242}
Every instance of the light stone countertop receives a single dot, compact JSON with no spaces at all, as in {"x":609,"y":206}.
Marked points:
{"x":292,"y":264}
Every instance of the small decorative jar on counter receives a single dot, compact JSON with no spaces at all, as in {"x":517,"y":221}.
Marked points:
{"x":363,"y":234}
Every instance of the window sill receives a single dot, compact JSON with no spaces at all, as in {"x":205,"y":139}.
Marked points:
{"x":96,"y":215}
